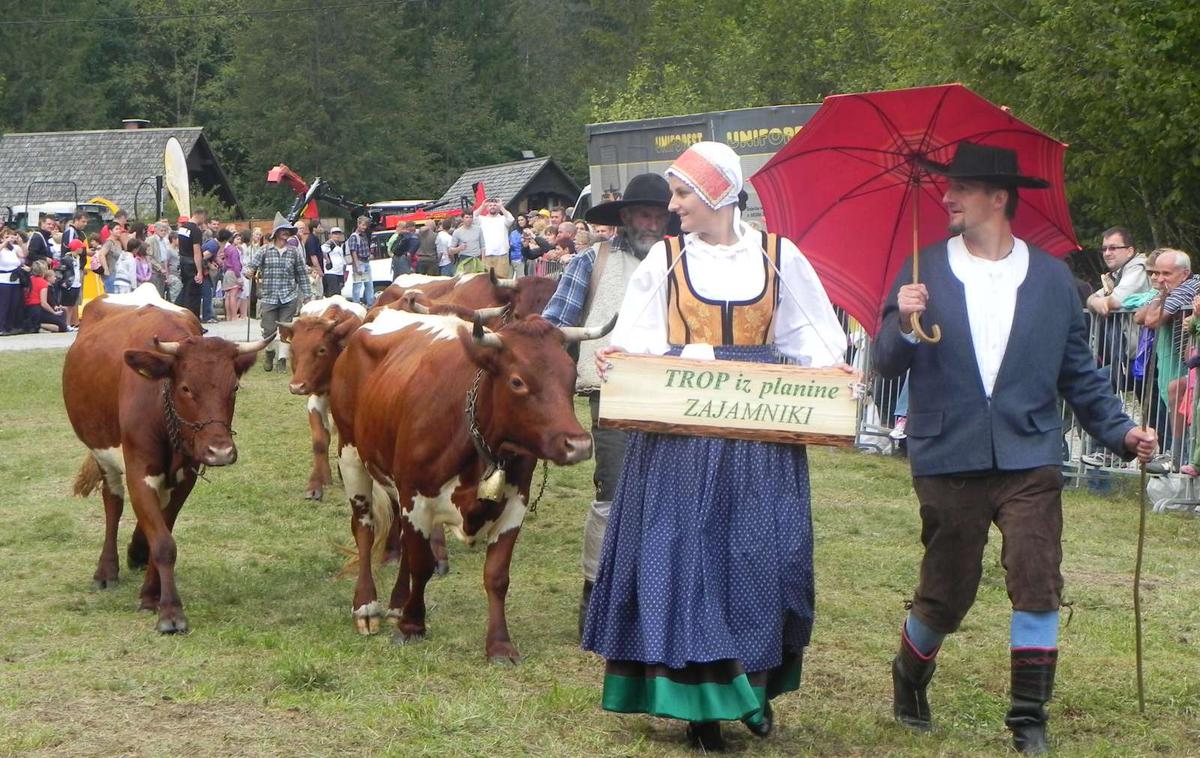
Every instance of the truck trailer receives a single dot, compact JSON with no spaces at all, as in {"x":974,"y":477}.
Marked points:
{"x":619,"y":150}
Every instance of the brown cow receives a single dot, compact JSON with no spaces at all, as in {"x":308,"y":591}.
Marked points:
{"x":405,"y":446}
{"x":526,"y":296}
{"x":152,"y":399}
{"x":317,"y":338}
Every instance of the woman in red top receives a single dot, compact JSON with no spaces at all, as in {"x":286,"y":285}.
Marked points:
{"x":38,"y":309}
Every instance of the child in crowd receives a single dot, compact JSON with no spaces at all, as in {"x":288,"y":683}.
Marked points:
{"x":125,"y":276}
{"x":38,"y":308}
{"x":143,"y":271}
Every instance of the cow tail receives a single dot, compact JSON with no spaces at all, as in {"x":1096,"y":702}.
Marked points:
{"x":382,"y":517}
{"x":89,"y":477}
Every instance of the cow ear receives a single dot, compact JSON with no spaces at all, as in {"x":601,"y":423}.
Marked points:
{"x":482,"y":356}
{"x":150,"y":363}
{"x":343,"y":330}
{"x":285,"y":334}
{"x":245,"y":361}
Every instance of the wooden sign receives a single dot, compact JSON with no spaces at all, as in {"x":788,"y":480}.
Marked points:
{"x":770,"y":402}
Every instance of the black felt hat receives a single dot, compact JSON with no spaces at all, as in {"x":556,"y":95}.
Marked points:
{"x":994,"y":165}
{"x":643,"y":189}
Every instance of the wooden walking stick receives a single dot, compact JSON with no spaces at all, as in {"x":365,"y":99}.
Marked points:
{"x":1137,"y":568}
{"x":915,"y":321}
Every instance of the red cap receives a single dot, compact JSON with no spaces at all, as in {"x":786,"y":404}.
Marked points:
{"x":75,"y":245}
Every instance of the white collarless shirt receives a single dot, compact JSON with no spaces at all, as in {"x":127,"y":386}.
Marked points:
{"x":991,"y":295}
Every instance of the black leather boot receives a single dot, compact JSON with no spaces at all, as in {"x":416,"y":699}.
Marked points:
{"x":583,"y":603}
{"x":911,"y":673}
{"x":706,"y":736}
{"x":1032,"y":686}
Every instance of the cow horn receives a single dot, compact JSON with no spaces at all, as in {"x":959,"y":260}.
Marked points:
{"x":487,"y":314}
{"x":288,"y":324}
{"x":254,"y":347}
{"x":420,"y":308}
{"x":170,"y":348}
{"x":581,"y":333}
{"x":485,"y":339}
{"x":507,"y":284}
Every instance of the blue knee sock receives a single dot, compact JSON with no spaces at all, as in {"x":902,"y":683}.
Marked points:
{"x":924,"y":639}
{"x":1030,"y":629}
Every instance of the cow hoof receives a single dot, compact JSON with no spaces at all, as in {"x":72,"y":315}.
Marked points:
{"x":442,"y":568}
{"x":104,"y":584}
{"x":366,"y":618}
{"x":404,"y":638}
{"x":173,"y":625}
{"x":367,"y":626}
{"x":505,"y":660}
{"x":314,"y":494}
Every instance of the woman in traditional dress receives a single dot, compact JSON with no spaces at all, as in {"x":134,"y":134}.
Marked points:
{"x":704,"y":600}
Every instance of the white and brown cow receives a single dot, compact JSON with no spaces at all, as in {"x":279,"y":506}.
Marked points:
{"x":318,"y":336}
{"x":400,"y":401}
{"x":152,"y":399}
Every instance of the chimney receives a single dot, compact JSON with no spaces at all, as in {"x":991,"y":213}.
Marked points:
{"x":135,"y":123}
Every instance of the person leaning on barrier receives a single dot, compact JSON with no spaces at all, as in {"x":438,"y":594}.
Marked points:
{"x":1171,"y":275}
{"x":1125,"y":275}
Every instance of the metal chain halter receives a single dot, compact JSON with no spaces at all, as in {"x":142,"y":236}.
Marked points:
{"x":175,"y":423}
{"x":489,"y":458}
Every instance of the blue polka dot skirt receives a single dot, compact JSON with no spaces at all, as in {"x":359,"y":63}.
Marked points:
{"x":703,"y":603}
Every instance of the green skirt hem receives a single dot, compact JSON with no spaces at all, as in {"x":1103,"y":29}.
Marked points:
{"x":734,"y":700}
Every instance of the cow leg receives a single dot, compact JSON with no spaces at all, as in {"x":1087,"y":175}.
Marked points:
{"x":318,"y":425}
{"x":437,"y":541}
{"x":137,"y":555}
{"x":500,"y":648}
{"x":108,"y":568}
{"x":400,"y":591}
{"x":156,"y":507}
{"x":358,"y":483}
{"x":394,"y":547}
{"x":419,"y":559}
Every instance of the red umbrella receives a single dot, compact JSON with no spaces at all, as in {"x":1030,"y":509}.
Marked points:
{"x":843,"y":188}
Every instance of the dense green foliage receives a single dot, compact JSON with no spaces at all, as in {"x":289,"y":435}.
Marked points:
{"x":395,"y":98}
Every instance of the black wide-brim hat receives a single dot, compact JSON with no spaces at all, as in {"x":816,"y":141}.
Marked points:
{"x":643,"y":189}
{"x":994,"y":165}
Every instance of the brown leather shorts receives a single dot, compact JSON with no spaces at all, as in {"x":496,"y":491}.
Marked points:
{"x":956,"y":513}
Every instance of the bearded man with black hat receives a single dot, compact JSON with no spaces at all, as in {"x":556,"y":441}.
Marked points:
{"x":984,"y":430}
{"x":590,"y":293}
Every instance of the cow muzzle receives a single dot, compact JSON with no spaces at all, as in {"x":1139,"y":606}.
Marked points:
{"x":298,"y":388}
{"x":219,"y":455}
{"x":575,"y":448}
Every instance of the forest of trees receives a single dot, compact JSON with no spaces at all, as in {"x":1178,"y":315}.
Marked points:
{"x":395,"y":97}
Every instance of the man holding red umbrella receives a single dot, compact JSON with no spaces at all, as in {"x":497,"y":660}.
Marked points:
{"x":984,"y":430}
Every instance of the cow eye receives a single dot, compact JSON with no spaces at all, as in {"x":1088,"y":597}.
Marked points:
{"x":185,"y":390}
{"x":322,"y":350}
{"x":517,"y":383}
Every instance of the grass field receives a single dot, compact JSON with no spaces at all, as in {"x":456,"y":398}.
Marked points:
{"x":273,"y":667}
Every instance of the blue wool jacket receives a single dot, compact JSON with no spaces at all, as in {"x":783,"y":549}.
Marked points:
{"x":953,"y":427}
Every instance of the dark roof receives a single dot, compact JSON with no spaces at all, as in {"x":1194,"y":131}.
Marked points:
{"x":107,"y":162}
{"x":504,"y":181}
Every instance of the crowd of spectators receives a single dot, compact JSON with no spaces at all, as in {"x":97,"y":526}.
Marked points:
{"x":203,"y":262}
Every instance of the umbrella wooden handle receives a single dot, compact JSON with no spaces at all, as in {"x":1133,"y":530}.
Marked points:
{"x":931,"y":339}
